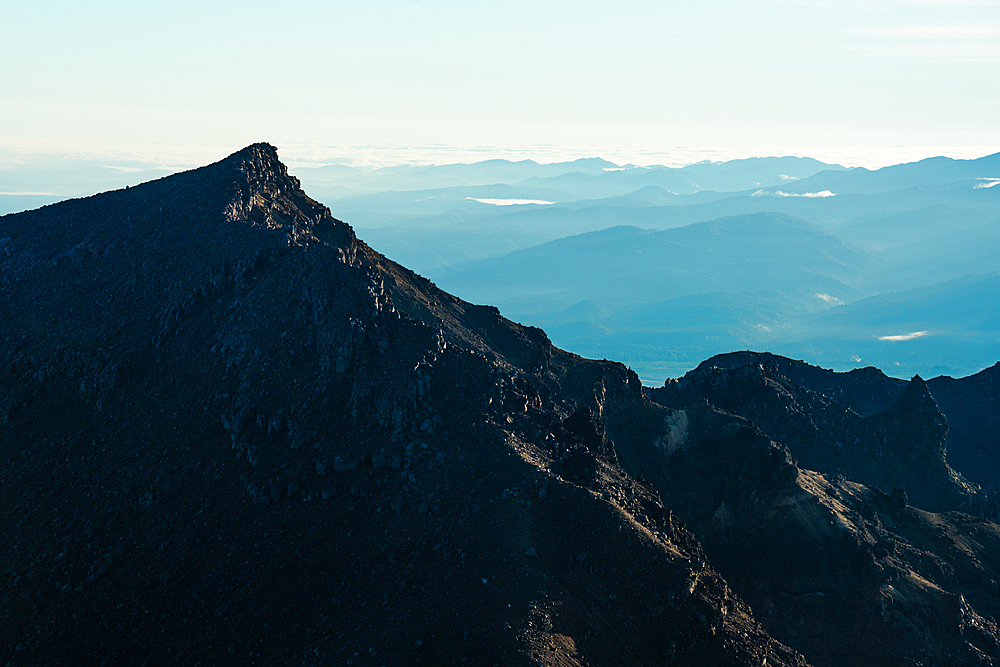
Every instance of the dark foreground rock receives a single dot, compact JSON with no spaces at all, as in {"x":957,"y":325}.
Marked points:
{"x":233,"y":434}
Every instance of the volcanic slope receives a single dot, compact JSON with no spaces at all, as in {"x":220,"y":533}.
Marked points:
{"x":845,"y":573}
{"x":234,"y":434}
{"x":849,"y":574}
{"x":970,"y":404}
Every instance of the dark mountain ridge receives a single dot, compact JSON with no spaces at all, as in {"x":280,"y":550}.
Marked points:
{"x":902,"y":446}
{"x":969,"y":404}
{"x":888,"y":552}
{"x":236,"y":434}
{"x":233,"y":433}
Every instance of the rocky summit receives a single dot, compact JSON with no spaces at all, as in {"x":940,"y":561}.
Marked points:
{"x":232,"y":433}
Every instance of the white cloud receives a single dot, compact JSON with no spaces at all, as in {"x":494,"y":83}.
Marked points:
{"x":779,"y":193}
{"x":829,"y":299}
{"x":511,"y":202}
{"x":28,"y":194}
{"x":910,"y":336}
{"x":986,"y":183}
{"x":788,"y":178}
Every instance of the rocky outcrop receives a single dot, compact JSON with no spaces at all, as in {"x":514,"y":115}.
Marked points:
{"x":901,"y":447}
{"x":844,"y":573}
{"x":971,"y":405}
{"x":867,"y":391}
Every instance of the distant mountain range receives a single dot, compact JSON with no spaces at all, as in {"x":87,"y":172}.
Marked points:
{"x":584,"y":178}
{"x":628,"y":266}
{"x":925,"y":174}
{"x":669,"y":279}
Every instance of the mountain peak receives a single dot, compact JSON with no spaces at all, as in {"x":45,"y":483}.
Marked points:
{"x":267,"y":195}
{"x":261,"y":164}
{"x":917,"y":396}
{"x":919,"y":426}
{"x":260,"y":151}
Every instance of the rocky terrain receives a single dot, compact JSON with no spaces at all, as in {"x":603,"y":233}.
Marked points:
{"x":828,"y":534}
{"x":235,"y":434}
{"x":971,"y":404}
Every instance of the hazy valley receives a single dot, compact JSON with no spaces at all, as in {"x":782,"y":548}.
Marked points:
{"x":660,"y":267}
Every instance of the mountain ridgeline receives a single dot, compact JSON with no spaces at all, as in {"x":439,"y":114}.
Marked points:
{"x":233,"y":433}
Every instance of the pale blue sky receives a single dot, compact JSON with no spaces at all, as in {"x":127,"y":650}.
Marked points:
{"x":200,"y":78}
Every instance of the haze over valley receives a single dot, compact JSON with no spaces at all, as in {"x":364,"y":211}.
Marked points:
{"x":660,"y":267}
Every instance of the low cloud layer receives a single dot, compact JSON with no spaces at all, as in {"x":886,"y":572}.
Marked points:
{"x":511,"y":202}
{"x":28,"y":194}
{"x":832,"y":300}
{"x":779,"y":193}
{"x":909,"y":336}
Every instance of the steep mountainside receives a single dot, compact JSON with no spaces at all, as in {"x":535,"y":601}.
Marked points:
{"x":970,"y":404}
{"x":235,"y":434}
{"x":845,"y":573}
{"x":901,"y":447}
{"x":817,"y":554}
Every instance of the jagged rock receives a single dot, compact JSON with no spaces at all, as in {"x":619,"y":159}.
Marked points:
{"x":903,"y":445}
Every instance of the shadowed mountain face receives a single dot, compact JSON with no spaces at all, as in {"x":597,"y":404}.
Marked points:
{"x":233,"y":433}
{"x":969,"y":404}
{"x":845,"y":573}
{"x":774,"y":495}
{"x":901,"y":447}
